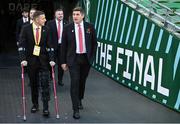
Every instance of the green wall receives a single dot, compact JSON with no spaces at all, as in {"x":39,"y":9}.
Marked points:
{"x":136,"y":52}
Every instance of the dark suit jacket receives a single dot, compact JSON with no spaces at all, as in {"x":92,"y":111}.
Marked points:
{"x":19,"y":25}
{"x":27,"y":41}
{"x":68,"y":51}
{"x":53,"y":31}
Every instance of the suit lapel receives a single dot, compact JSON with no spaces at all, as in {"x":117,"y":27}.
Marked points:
{"x":32,"y":34}
{"x":73,"y":35}
{"x":86,"y":34}
{"x":21,"y":21}
{"x":42,"y":35}
{"x":55,"y":27}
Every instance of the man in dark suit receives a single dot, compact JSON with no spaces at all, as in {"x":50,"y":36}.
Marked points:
{"x":36,"y":50}
{"x":20,"y":22}
{"x":77,"y":54}
{"x":56,"y":28}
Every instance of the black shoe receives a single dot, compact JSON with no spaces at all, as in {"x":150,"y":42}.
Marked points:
{"x":60,"y":83}
{"x":80,"y":105}
{"x":76,"y":115}
{"x":34,"y":108}
{"x":46,"y":113}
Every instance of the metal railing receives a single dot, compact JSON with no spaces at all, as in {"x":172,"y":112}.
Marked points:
{"x":159,"y":13}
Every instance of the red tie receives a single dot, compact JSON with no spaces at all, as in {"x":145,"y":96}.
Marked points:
{"x":80,"y":39}
{"x":59,"y":29}
{"x":37,"y":35}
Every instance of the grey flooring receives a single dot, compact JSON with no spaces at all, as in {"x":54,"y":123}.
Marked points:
{"x":105,"y":100}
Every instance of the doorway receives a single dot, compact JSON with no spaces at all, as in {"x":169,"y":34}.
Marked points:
{"x":10,"y":11}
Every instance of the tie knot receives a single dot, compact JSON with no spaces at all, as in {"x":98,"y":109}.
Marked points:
{"x":37,"y":28}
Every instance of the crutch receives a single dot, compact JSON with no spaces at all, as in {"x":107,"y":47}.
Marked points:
{"x":23,"y":94}
{"x":55,"y":95}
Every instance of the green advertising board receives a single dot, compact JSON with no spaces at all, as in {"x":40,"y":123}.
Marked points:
{"x":136,"y":52}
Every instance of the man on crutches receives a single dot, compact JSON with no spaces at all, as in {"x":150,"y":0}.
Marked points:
{"x":36,"y":50}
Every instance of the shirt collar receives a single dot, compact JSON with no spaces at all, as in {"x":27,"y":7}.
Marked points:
{"x":81,"y":24}
{"x":35,"y":26}
{"x":58,"y":21}
{"x":31,"y":21}
{"x":25,"y":19}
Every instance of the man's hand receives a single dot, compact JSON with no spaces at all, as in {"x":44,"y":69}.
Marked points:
{"x":64,"y":67}
{"x":52,"y":63}
{"x":24,"y":63}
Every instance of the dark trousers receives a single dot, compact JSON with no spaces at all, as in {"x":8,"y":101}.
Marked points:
{"x":58,"y":62}
{"x":78,"y":73}
{"x":60,"y":70}
{"x":39,"y":79}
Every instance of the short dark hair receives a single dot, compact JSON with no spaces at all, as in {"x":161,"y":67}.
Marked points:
{"x":58,"y":9}
{"x":25,"y":10}
{"x":37,"y":14}
{"x":79,"y":9}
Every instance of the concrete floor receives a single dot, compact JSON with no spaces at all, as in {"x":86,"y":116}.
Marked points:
{"x":105,"y":100}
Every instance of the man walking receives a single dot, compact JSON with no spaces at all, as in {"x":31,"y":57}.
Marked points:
{"x":21,"y":22}
{"x":56,"y":28}
{"x":77,"y":54}
{"x":36,"y":50}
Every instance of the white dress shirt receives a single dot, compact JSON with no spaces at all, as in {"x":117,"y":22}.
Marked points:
{"x":25,"y":20}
